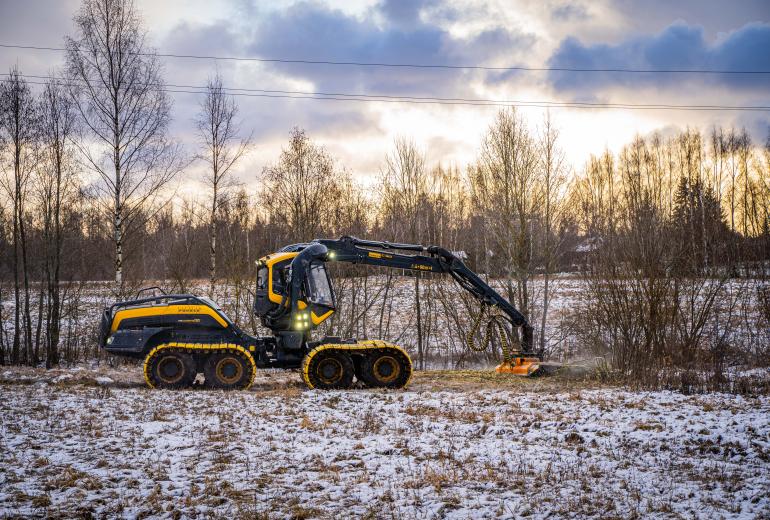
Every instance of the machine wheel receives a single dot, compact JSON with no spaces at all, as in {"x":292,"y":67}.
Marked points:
{"x":386,"y":368}
{"x":330,"y":369}
{"x":170,"y":368}
{"x":228,"y":371}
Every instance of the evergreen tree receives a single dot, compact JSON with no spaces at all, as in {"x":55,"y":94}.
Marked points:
{"x":700,"y":226}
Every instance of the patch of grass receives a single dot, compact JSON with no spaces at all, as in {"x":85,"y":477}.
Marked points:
{"x":70,"y":477}
{"x":464,"y":380}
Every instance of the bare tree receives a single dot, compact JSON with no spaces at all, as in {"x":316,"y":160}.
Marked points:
{"x":404,"y":187}
{"x":19,"y":128}
{"x":222,"y":148}
{"x":119,"y":93}
{"x":553,"y":180}
{"x":302,"y":189}
{"x":57,"y":190}
{"x":506,"y":186}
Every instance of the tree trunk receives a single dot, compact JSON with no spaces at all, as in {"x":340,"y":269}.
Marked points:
{"x":39,"y":325}
{"x":30,"y":357}
{"x":116,"y":157}
{"x":213,"y":240}
{"x":54,"y":303}
{"x":384,"y":302}
{"x":420,"y":349}
{"x":15,"y":348}
{"x":546,"y":302}
{"x":118,"y":244}
{"x":2,"y":330}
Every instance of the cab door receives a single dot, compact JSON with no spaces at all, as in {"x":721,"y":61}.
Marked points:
{"x":319,"y":293}
{"x":272,"y":284}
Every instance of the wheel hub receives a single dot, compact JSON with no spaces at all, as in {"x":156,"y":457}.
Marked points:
{"x":386,"y":369}
{"x":229,"y":370}
{"x":170,"y":370}
{"x":330,"y":371}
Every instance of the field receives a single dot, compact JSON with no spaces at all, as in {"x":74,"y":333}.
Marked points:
{"x":454,"y":445}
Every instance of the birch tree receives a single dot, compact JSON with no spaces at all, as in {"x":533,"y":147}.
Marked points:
{"x":222,"y":148}
{"x":118,"y":91}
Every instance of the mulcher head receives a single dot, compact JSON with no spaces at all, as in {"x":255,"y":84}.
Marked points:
{"x":520,"y":366}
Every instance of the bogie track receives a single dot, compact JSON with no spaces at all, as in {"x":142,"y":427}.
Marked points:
{"x":170,"y":368}
{"x":376,"y":364}
{"x":225,"y":366}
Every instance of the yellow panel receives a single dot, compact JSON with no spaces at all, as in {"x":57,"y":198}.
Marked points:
{"x":320,"y":319}
{"x":270,"y":261}
{"x":140,"y":312}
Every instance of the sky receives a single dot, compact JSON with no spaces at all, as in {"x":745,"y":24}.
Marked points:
{"x":654,"y":34}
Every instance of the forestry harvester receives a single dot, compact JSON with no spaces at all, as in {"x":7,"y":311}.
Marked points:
{"x":181,"y":335}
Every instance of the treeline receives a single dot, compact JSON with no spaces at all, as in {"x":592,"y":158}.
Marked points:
{"x":657,"y":232}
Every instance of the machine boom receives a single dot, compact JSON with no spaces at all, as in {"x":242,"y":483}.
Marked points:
{"x":429,"y":259}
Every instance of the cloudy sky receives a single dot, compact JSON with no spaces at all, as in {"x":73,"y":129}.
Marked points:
{"x":607,"y":34}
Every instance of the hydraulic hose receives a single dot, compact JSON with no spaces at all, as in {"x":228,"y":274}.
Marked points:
{"x":495,"y":325}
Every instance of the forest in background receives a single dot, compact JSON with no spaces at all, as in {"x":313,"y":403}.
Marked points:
{"x":670,"y":237}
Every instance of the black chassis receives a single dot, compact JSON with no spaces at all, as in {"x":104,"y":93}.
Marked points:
{"x":137,"y":342}
{"x":139,"y":339}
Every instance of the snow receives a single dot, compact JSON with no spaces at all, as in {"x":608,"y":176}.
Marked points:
{"x":454,"y":445}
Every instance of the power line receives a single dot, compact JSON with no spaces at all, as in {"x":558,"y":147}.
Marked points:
{"x":419,"y":65}
{"x":373,"y":98}
{"x":483,"y":103}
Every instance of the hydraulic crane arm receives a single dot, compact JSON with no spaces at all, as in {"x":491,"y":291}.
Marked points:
{"x":386,"y":254}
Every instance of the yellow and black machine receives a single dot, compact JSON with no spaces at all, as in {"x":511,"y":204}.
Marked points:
{"x":182,"y":335}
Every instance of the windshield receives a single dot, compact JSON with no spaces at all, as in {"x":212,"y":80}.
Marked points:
{"x":318,"y":282}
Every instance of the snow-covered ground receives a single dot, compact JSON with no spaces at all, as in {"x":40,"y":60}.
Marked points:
{"x":454,"y":445}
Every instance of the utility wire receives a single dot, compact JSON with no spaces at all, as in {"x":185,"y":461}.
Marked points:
{"x":294,"y":94}
{"x":524,"y":104}
{"x":418,"y":65}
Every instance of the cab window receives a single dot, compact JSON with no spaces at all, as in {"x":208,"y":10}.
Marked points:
{"x":262,"y":275}
{"x":281,"y":277}
{"x":320,"y":290}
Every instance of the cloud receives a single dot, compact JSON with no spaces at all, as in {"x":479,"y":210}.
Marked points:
{"x":308,"y":30}
{"x":213,"y":39}
{"x":715,"y":16}
{"x":34,"y":22}
{"x":679,"y":46}
{"x":569,"y":12}
{"x":404,"y":12}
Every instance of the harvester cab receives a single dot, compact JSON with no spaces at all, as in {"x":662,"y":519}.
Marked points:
{"x":181,"y":335}
{"x":315,"y":304}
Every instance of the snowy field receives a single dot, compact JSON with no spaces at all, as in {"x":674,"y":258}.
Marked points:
{"x":455,"y":445}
